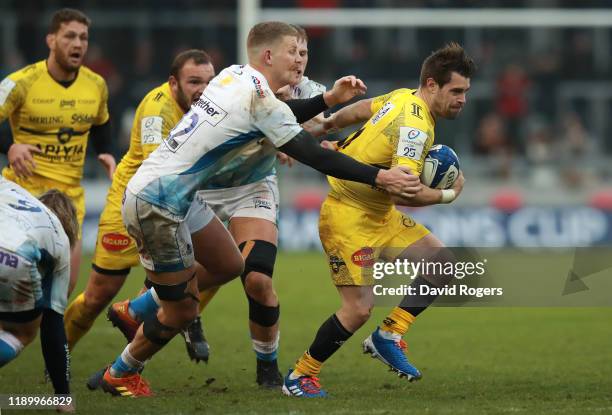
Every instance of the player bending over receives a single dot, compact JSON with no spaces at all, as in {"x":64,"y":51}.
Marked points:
{"x":35,"y":244}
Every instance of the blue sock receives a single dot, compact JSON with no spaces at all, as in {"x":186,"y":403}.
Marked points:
{"x":10,"y":346}
{"x":266,"y":351}
{"x":144,"y":306}
{"x":125,"y":364}
{"x":267,"y":357}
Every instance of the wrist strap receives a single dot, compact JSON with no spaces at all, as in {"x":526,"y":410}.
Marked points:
{"x":448,"y":195}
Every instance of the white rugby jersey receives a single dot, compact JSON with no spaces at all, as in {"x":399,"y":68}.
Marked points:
{"x":32,"y":231}
{"x":213,"y":144}
{"x":307,"y":88}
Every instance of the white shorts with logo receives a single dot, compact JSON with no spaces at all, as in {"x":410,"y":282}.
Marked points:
{"x":254,"y":200}
{"x":163,"y":238}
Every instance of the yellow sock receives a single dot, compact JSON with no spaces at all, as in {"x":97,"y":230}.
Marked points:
{"x":307,"y":366}
{"x":398,"y":321}
{"x":206,"y":296}
{"x":77,"y":321}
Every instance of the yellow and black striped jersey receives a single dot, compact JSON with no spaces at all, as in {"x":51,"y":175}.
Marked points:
{"x":53,"y":117}
{"x":400,"y":132}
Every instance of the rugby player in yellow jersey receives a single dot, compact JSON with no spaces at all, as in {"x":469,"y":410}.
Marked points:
{"x":116,"y":253}
{"x":55,"y":108}
{"x":357,"y":220}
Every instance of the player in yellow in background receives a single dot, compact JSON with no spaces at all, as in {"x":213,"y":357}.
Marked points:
{"x":55,"y":108}
{"x":358,"y":221}
{"x":116,"y":253}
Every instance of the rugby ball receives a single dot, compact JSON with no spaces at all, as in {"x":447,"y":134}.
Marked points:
{"x":441,"y":167}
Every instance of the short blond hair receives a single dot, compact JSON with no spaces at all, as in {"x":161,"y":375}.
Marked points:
{"x":267,"y":34}
{"x":64,"y":209}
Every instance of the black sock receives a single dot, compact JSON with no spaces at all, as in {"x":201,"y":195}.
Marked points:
{"x":55,"y":350}
{"x":329,"y":338}
{"x":416,"y":304}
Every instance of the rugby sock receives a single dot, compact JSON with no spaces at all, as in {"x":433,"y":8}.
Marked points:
{"x":10,"y":346}
{"x":329,"y":338}
{"x":397,"y":322}
{"x":145,"y":305}
{"x":416,"y":304}
{"x":125,"y":364}
{"x":266,"y":351}
{"x":306,"y":366}
{"x":205,"y":297}
{"x":55,"y":350}
{"x":77,"y":320}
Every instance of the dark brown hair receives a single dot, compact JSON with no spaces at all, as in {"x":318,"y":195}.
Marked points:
{"x":443,"y":62}
{"x":64,"y":209}
{"x":66,"y":16}
{"x":198,"y":56}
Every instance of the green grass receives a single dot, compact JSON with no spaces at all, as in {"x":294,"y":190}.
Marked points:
{"x":474,"y":360}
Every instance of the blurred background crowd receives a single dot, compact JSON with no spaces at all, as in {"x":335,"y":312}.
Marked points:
{"x":534,"y":131}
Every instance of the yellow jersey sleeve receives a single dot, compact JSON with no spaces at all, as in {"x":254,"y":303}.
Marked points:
{"x":102,"y":116}
{"x":157,"y":118}
{"x":13,"y":90}
{"x":380,"y":100}
{"x":414,"y":137}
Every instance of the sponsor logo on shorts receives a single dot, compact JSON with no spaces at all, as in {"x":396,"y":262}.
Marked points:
{"x":336,"y":263}
{"x":9,"y":260}
{"x":364,"y":257}
{"x":115,"y":241}
{"x":262,"y":203}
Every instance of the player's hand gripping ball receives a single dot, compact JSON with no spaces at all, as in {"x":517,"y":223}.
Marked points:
{"x":441,"y":167}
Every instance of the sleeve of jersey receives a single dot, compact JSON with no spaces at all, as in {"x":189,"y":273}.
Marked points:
{"x":380,"y":100}
{"x":102,"y":116}
{"x":273,"y":118}
{"x":412,"y":144}
{"x":11,"y":97}
{"x":155,"y":126}
{"x":61,"y":278}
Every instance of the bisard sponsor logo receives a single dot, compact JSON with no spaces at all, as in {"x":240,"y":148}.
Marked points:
{"x":46,"y":120}
{"x":43,"y":100}
{"x":8,"y":259}
{"x":115,"y":241}
{"x":80,"y":118}
{"x":67,"y":103}
{"x":363,"y":257}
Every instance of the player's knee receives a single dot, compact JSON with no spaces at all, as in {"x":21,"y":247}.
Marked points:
{"x":184,"y":299}
{"x":157,"y":332}
{"x":260,"y":257}
{"x":259,"y":287}
{"x":264,"y":315}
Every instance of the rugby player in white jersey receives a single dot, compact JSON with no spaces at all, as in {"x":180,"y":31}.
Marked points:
{"x":251,"y":212}
{"x":206,"y":150}
{"x":35,"y":244}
